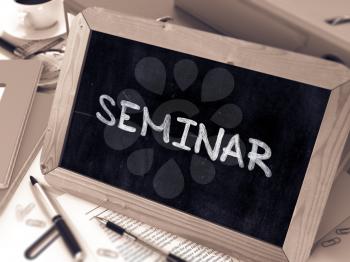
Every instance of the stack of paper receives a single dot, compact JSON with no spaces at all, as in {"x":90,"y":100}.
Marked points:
{"x":104,"y":243}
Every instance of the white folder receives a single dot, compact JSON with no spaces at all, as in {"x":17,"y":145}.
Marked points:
{"x":19,"y":79}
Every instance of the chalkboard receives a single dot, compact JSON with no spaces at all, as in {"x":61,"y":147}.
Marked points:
{"x":113,"y":141}
{"x":227,"y":143}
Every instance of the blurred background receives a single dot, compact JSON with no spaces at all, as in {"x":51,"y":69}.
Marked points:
{"x":37,"y":29}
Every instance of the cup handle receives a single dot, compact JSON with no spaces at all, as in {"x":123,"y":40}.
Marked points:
{"x":25,"y":19}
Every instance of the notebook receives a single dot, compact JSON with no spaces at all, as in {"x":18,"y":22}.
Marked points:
{"x":18,"y":80}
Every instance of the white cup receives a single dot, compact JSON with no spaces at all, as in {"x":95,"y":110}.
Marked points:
{"x":37,"y":16}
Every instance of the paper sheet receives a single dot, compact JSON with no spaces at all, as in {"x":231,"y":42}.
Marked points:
{"x":106,"y":244}
{"x":335,"y":246}
{"x":337,"y":208}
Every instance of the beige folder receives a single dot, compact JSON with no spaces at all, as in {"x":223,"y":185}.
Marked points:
{"x":18,"y":80}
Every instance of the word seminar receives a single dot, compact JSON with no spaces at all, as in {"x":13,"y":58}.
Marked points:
{"x":232,"y":149}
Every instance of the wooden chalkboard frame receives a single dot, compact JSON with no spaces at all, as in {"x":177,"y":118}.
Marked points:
{"x":322,"y":166}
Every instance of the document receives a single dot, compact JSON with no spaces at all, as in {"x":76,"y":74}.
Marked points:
{"x":106,"y":244}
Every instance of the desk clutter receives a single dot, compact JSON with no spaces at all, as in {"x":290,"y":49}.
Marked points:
{"x":162,"y":148}
{"x":299,"y":25}
{"x":26,"y":95}
{"x":35,"y":30}
{"x":98,"y":243}
{"x":125,"y":249}
{"x":28,"y":222}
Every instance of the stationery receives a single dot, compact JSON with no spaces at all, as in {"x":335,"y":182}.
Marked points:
{"x":24,"y":220}
{"x":21,"y":48}
{"x":17,"y":51}
{"x":31,"y":143}
{"x":43,"y":242}
{"x":99,"y":243}
{"x":121,"y":231}
{"x":59,"y":223}
{"x":19,"y":83}
{"x":107,"y":245}
{"x":334,"y":247}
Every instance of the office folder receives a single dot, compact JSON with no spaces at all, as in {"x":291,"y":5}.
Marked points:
{"x":19,"y":82}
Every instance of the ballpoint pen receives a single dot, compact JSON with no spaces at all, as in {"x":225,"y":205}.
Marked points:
{"x":121,"y":231}
{"x":17,"y":51}
{"x":58,"y":221}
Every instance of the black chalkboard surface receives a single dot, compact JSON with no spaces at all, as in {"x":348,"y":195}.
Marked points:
{"x":110,"y":140}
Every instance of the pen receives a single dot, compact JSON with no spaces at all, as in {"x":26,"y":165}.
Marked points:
{"x":11,"y":48}
{"x":121,"y":231}
{"x":58,"y":221}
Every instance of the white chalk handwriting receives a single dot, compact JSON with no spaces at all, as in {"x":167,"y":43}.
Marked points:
{"x":232,"y":149}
